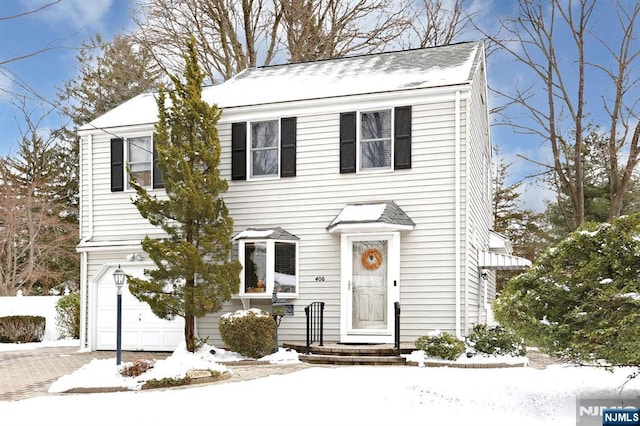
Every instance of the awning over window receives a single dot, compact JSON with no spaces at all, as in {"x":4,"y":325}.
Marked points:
{"x":264,"y":234}
{"x":501,"y":261}
{"x":367,"y":217}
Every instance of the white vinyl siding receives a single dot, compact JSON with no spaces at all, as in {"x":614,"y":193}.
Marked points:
{"x":305,"y":204}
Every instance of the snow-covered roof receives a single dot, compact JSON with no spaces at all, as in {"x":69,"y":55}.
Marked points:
{"x":375,"y":73}
{"x":367,"y":215}
{"x":276,"y":233}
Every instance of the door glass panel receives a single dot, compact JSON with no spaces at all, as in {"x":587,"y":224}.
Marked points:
{"x":369,"y":285}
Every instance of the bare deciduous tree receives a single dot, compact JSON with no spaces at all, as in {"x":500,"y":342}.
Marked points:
{"x":232,"y":35}
{"x":553,"y":40}
{"x":4,"y":61}
{"x":37,"y":246}
{"x":321,"y":29}
{"x":229,"y":34}
{"x":438,"y":22}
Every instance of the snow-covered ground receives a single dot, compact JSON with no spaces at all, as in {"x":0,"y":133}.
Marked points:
{"x":356,"y":395}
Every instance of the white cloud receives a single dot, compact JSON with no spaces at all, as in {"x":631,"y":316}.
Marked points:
{"x":73,"y":13}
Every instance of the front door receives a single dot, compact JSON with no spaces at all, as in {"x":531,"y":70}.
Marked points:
{"x":369,"y":276}
{"x":369,"y":285}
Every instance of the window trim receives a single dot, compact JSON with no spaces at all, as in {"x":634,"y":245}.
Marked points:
{"x":251,"y":150}
{"x":125,"y":147}
{"x":390,"y":168}
{"x":270,"y":270}
{"x":119,"y":153}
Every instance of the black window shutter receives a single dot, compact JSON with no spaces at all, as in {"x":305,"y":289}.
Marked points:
{"x":288,"y":147}
{"x":157,"y":174}
{"x":117,"y":164}
{"x":402,"y":138}
{"x":239,"y":151}
{"x":348,"y":142}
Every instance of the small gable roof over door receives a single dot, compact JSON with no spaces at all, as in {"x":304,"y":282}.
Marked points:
{"x":368,"y":217}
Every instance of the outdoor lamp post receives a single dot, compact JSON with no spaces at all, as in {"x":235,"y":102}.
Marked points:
{"x":119,"y":278}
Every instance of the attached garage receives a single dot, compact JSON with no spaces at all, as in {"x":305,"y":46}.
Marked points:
{"x":142,"y":330}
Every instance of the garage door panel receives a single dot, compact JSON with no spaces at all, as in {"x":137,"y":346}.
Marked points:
{"x":141,"y":328}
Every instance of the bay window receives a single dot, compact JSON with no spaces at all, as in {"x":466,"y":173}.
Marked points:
{"x":268,"y":263}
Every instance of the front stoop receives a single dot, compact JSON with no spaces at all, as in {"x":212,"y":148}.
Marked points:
{"x":352,"y":359}
{"x":349,"y":354}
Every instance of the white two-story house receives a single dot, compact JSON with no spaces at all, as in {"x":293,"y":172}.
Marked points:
{"x":358,"y":182}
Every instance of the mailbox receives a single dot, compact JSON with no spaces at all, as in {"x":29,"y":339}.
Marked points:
{"x":282,"y":309}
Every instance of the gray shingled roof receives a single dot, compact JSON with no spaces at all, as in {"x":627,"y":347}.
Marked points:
{"x":276,"y":233}
{"x":386,"y":212}
{"x":350,"y":76}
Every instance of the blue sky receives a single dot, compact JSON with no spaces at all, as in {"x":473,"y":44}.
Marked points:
{"x":64,"y":26}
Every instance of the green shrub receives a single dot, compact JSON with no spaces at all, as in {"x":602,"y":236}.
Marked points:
{"x":580,"y":300}
{"x":495,"y":340}
{"x":68,"y":315}
{"x":250,"y":333}
{"x":442,"y":345}
{"x":22,"y":328}
{"x":166,"y":382}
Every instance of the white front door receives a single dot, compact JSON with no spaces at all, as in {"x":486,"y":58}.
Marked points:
{"x":370,"y":286}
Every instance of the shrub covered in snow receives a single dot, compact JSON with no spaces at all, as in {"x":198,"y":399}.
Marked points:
{"x":22,"y":328}
{"x":442,"y":345}
{"x":249,"y":332}
{"x":581,"y":300}
{"x":495,"y":340}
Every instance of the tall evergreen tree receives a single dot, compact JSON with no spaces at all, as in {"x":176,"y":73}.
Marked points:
{"x":110,"y":73}
{"x":193,"y":274}
{"x":525,"y":228}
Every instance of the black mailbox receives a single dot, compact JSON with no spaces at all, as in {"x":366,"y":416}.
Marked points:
{"x":282,"y":309}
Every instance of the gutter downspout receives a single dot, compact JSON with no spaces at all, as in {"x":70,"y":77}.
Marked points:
{"x":84,"y":255}
{"x":458,"y":265}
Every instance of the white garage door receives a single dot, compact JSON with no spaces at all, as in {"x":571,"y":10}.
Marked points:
{"x":142,"y":330}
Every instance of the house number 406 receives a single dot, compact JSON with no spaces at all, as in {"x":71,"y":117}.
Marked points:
{"x":319,"y":278}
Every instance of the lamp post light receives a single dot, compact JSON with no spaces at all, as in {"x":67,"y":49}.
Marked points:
{"x":119,"y":278}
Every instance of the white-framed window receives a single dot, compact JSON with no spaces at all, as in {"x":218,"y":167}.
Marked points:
{"x":375,"y":149}
{"x":268,"y":264}
{"x":264,"y":152}
{"x":139,"y":160}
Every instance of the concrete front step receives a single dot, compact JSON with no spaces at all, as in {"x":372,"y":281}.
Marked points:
{"x":339,"y":349}
{"x":352,"y":359}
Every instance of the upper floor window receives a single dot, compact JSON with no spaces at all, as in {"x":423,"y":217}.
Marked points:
{"x":375,"y":140}
{"x":140,"y":160}
{"x":137,"y":155}
{"x":268,"y":146}
{"x":264,"y":148}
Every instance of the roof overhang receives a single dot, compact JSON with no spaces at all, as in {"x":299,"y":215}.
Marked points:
{"x":383,"y":216}
{"x":276,"y":233}
{"x":500,"y":261}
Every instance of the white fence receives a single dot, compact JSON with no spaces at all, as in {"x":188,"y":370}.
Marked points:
{"x":44,"y":306}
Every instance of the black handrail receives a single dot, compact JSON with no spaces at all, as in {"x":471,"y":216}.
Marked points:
{"x":396,"y":307}
{"x":315,"y":323}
